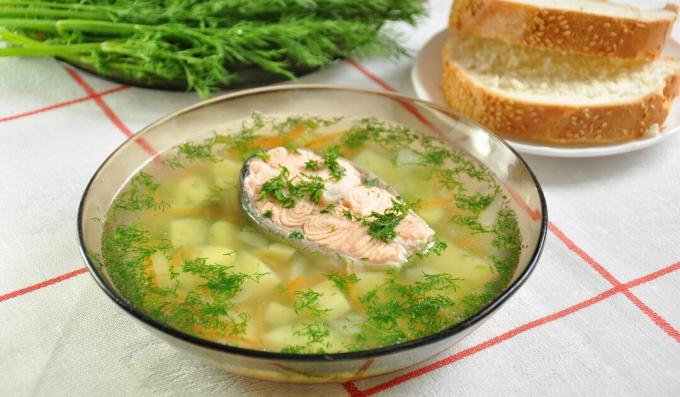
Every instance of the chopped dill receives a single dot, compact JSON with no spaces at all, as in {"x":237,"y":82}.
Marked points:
{"x":296,"y":235}
{"x":383,"y":226}
{"x":371,"y":182}
{"x":140,"y":195}
{"x":475,"y":203}
{"x":328,"y":209}
{"x":348,"y":214}
{"x":400,"y":312}
{"x":293,"y":349}
{"x":312,"y":185}
{"x":286,"y":191}
{"x":219,"y":281}
{"x":472,"y":222}
{"x":330,"y":159}
{"x":198,"y":151}
{"x":312,"y":165}
{"x":307,"y":302}
{"x":278,"y":189}
{"x":437,"y":247}
{"x":342,"y":281}
{"x":172,"y":161}
{"x":315,"y":332}
{"x":268,"y":214}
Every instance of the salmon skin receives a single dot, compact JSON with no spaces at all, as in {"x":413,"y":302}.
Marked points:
{"x":323,"y":224}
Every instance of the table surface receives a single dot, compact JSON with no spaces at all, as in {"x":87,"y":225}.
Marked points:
{"x":599,"y":316}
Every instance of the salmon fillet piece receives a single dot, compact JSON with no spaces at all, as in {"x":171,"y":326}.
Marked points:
{"x":331,"y":231}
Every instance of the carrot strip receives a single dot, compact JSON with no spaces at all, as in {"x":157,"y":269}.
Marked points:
{"x":148,"y":270}
{"x":293,"y":285}
{"x":325,"y":139}
{"x":353,"y":296}
{"x":269,"y":142}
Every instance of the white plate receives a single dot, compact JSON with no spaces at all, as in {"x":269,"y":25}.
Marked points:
{"x":426,"y":76}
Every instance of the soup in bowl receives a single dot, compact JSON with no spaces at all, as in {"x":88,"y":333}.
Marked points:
{"x":302,"y":233}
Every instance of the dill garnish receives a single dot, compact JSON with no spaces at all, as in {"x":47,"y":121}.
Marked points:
{"x":286,"y":191}
{"x":342,"y":281}
{"x":371,"y":182}
{"x":330,"y":160}
{"x":278,"y":188}
{"x":437,"y":247}
{"x":383,"y":226}
{"x":329,"y":208}
{"x":140,"y":195}
{"x":296,"y":235}
{"x":219,"y":281}
{"x":312,"y":185}
{"x":268,"y":214}
{"x":307,"y":302}
{"x":312,"y":165}
{"x":400,"y":312}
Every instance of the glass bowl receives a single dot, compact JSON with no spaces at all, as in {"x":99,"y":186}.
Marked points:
{"x":200,"y":120}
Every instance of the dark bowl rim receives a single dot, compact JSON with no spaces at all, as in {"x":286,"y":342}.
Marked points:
{"x":330,"y":357}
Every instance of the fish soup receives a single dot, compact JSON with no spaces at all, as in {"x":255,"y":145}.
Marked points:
{"x":310,"y":235}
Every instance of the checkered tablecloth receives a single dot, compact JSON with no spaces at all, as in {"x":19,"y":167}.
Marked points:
{"x":600,"y":316}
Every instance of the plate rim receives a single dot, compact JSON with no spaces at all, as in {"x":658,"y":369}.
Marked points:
{"x":420,"y":90}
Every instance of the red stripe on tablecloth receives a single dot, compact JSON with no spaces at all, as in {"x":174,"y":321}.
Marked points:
{"x":100,"y":102}
{"x":107,"y":110}
{"x":654,"y":316}
{"x":42,"y":284}
{"x":521,"y":329}
{"x":353,"y":390}
{"x":648,"y":311}
{"x":582,"y":254}
{"x":652,"y":276}
{"x":63,"y":104}
{"x":489,"y":343}
{"x":406,"y":105}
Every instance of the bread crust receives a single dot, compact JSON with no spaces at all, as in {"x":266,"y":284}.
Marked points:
{"x":559,"y":124}
{"x":562,"y":30}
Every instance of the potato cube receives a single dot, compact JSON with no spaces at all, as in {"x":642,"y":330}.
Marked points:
{"x":277,"y":252}
{"x":214,"y":254}
{"x":188,"y":232}
{"x":332,"y":300}
{"x":248,"y":264}
{"x":252,"y":239}
{"x":223,"y":233}
{"x":278,"y":314}
{"x":192,"y":191}
{"x":227,"y":173}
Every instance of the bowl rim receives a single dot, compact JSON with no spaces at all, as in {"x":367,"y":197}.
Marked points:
{"x":469,"y":322}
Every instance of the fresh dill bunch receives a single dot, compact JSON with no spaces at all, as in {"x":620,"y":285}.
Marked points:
{"x":202,"y":43}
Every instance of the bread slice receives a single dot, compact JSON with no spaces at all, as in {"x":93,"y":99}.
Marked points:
{"x":580,"y":26}
{"x":535,"y":95}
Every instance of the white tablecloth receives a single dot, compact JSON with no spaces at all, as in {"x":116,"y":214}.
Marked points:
{"x":600,"y":316}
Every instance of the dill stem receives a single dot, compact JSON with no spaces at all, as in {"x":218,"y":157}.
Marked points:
{"x":28,"y":13}
{"x":48,"y":50}
{"x":50,"y":4}
{"x":102,"y":27}
{"x":33,"y":24}
{"x":17,"y":38}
